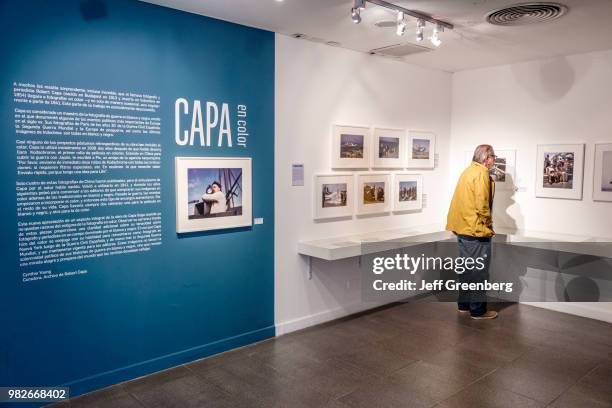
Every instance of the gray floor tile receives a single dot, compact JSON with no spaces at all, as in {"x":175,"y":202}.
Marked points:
{"x":278,"y":345}
{"x":222,"y":358}
{"x":493,"y":346}
{"x":599,"y":379}
{"x":541,"y":374}
{"x":240,"y":376}
{"x":376,"y":359}
{"x":326,"y":344}
{"x":287,"y":359}
{"x":416,"y":346}
{"x":544,"y":328}
{"x":333,"y":377}
{"x":61,"y":404}
{"x":114,"y":396}
{"x":432,"y":381}
{"x":335,"y":404}
{"x":370,"y":328}
{"x":254,"y":382}
{"x":472,"y":361}
{"x":577,"y":398}
{"x":185,"y":391}
{"x":386,"y":394}
{"x":596,"y":387}
{"x":156,"y":379}
{"x":409,"y":355}
{"x":480,"y":395}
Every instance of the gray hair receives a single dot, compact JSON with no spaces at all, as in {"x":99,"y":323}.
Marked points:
{"x":482,"y":152}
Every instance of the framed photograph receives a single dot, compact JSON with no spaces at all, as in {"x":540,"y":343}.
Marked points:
{"x":407,"y":192}
{"x":212,"y":193}
{"x":373,"y":193}
{"x":421,"y":150}
{"x":504,"y":171}
{"x":560,"y":171}
{"x":333,"y":195}
{"x":350,"y":147}
{"x":388,"y":148}
{"x":602,"y":173}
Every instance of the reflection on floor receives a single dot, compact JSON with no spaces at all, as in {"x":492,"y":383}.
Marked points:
{"x":407,"y":355}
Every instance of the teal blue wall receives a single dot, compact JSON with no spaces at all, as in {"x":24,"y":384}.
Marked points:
{"x":190,"y":297}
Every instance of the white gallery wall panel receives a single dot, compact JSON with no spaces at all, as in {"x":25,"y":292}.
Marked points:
{"x":564,"y":100}
{"x":318,"y":86}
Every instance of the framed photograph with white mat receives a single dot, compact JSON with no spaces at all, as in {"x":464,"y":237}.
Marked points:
{"x":560,"y":170}
{"x":504,"y":170}
{"x":388,"y":147}
{"x":374,"y":193}
{"x":602,"y":172}
{"x":350,"y":147}
{"x":421,"y":150}
{"x":213,"y":193}
{"x":333,"y":195}
{"x":407,"y":192}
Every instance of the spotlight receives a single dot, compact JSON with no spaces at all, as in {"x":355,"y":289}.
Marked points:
{"x":355,"y":15}
{"x":419,"y":30}
{"x":435,"y":38}
{"x":401,"y":24}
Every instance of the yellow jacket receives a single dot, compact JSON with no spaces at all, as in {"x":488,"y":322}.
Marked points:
{"x":470,"y":209}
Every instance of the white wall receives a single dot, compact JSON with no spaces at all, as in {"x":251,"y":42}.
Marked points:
{"x":317,"y":86}
{"x":560,"y":100}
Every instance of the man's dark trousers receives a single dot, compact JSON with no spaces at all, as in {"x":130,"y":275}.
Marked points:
{"x":474,"y":247}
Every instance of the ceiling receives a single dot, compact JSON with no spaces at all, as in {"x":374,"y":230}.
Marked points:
{"x":472,"y":44}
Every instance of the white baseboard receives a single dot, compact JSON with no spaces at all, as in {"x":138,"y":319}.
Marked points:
{"x":323,"y":316}
{"x":593,"y":310}
{"x":598,"y":311}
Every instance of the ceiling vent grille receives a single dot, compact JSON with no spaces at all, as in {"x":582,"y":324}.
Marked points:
{"x":527,"y":13}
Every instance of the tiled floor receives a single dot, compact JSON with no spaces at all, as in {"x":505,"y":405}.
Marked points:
{"x":408,"y":355}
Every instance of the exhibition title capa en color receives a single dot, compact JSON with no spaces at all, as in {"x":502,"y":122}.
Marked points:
{"x":209,"y":126}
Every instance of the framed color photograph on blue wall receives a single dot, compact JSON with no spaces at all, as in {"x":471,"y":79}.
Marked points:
{"x":213,"y":193}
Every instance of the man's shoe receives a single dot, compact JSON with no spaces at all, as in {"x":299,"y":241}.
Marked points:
{"x":491,"y":314}
{"x":463,"y":310}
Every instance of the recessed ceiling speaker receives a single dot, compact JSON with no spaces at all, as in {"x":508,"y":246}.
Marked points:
{"x":386,"y":24}
{"x":527,"y":13}
{"x":399,"y":50}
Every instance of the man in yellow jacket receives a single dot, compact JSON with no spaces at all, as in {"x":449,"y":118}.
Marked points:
{"x":470,"y":218}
